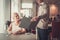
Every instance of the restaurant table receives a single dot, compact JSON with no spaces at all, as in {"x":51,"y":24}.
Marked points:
{"x":26,"y":36}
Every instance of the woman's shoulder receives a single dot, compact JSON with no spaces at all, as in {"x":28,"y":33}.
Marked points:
{"x":11,"y":23}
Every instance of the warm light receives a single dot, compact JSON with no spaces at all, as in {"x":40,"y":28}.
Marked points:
{"x":53,"y":9}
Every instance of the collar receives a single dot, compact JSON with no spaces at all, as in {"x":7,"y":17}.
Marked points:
{"x":42,"y":3}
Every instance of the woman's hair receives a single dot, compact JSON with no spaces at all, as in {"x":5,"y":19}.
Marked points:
{"x":15,"y":14}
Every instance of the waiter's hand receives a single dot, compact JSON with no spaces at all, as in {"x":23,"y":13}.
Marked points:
{"x":34,"y":19}
{"x":42,"y":20}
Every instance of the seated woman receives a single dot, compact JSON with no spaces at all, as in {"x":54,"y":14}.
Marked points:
{"x":14,"y":26}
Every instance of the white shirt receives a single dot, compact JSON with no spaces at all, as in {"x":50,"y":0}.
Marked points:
{"x":15,"y":28}
{"x":42,"y":11}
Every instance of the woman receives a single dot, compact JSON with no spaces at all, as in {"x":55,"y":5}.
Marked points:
{"x":14,"y":27}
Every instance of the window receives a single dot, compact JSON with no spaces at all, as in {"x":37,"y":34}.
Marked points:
{"x":27,"y":5}
{"x":26,"y":9}
{"x":26,"y":12}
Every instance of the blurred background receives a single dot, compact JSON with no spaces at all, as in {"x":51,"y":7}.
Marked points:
{"x":23,"y":7}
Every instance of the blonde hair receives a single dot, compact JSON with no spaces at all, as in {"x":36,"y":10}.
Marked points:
{"x":15,"y":13}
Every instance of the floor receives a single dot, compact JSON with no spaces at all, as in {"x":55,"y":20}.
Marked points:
{"x":26,"y":36}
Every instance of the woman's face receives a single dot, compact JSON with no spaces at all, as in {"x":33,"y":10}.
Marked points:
{"x":16,"y":17}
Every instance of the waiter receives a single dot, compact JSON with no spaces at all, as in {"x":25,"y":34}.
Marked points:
{"x":42,"y":26}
